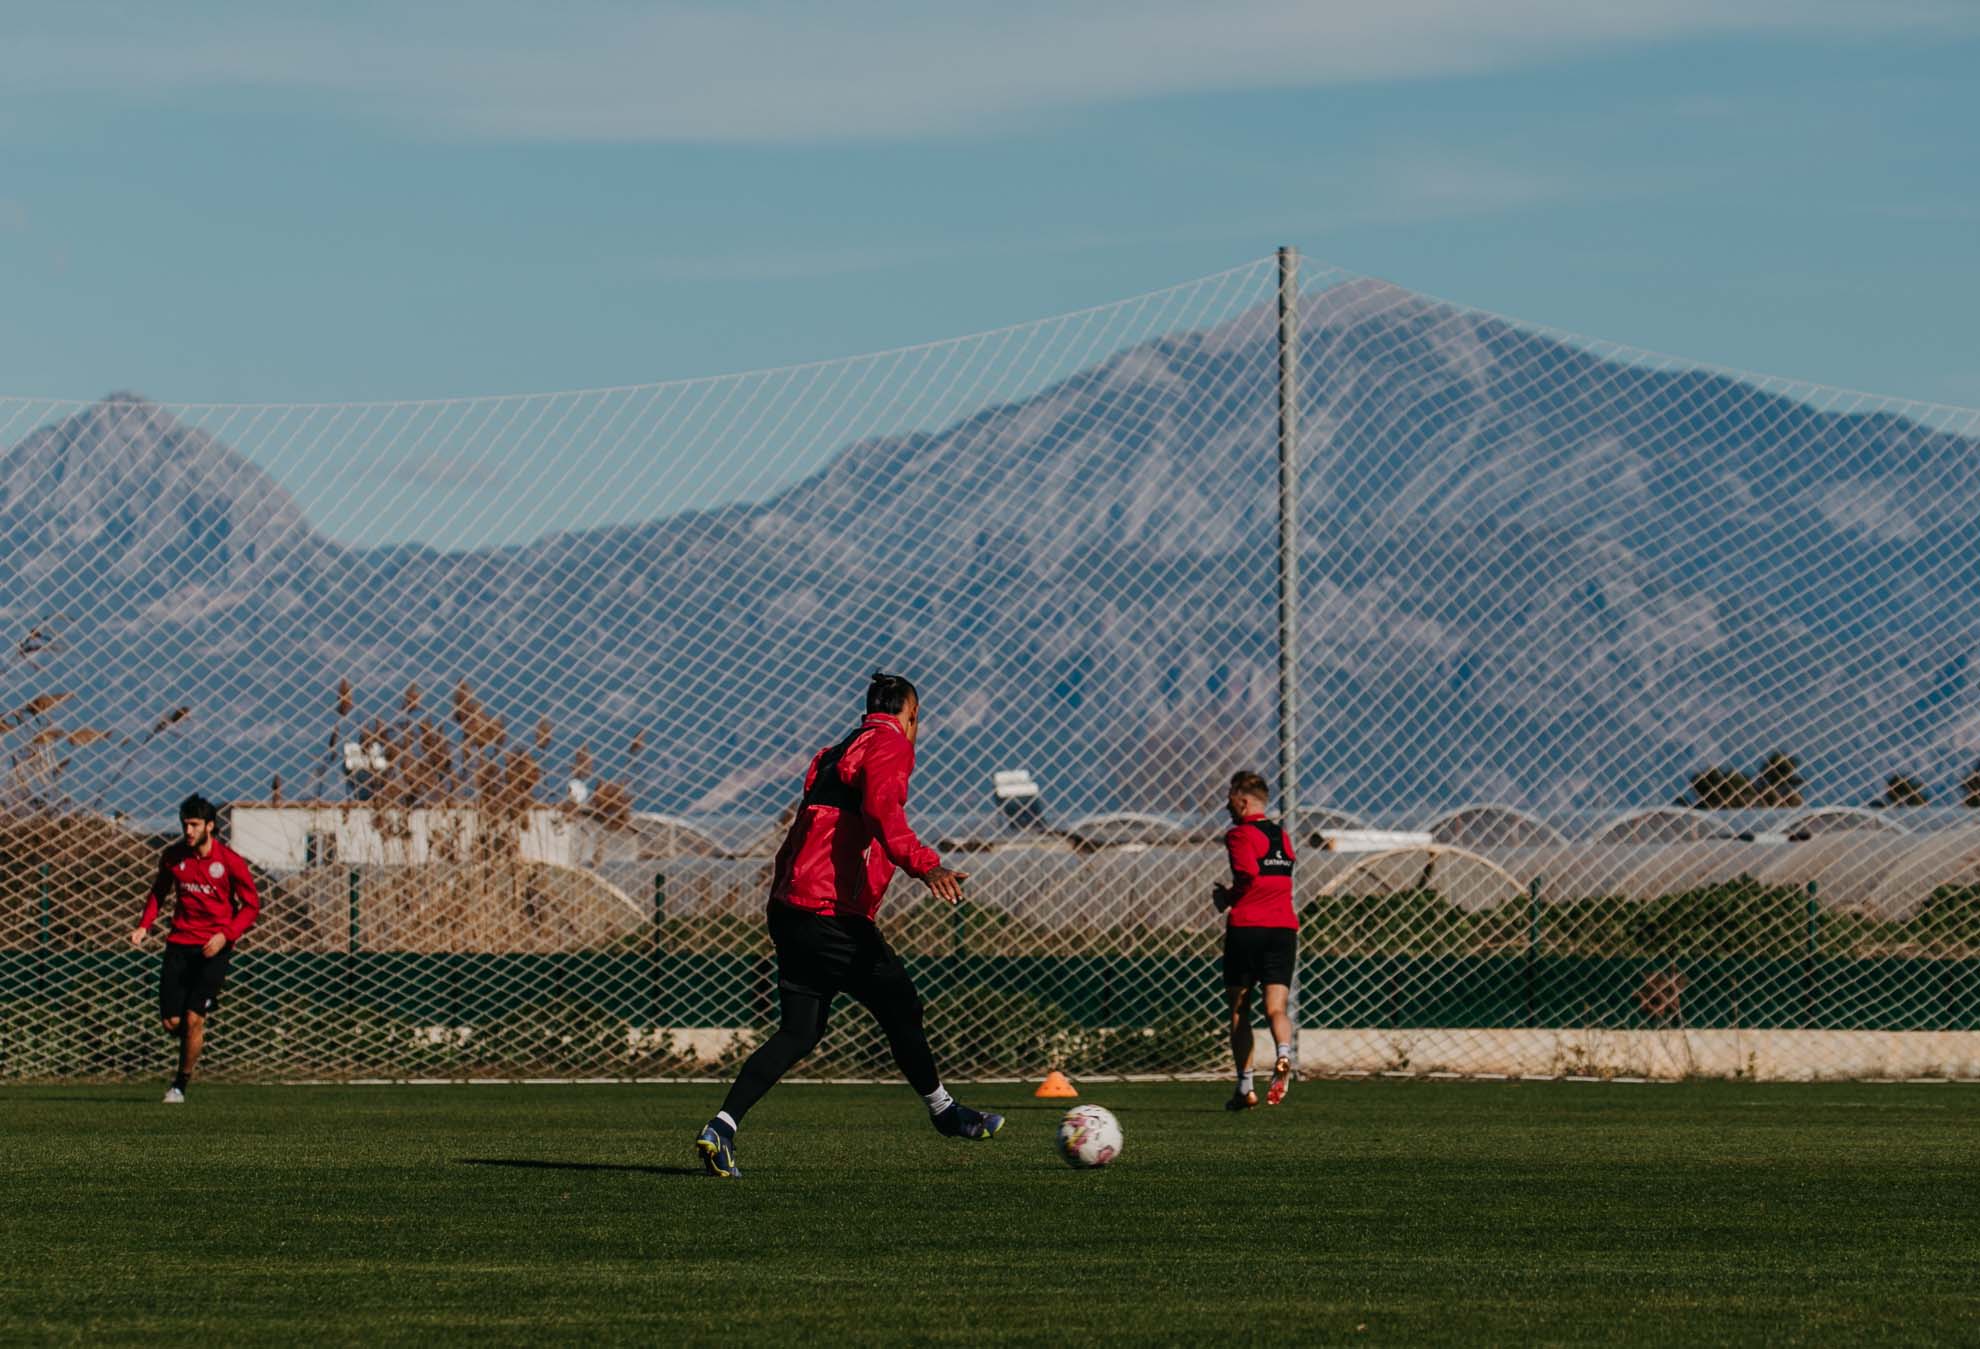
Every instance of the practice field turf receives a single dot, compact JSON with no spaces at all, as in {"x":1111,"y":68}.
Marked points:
{"x":1362,"y":1211}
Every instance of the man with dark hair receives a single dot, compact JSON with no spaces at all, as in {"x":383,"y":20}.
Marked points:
{"x":849,"y":835}
{"x":1261,"y":933}
{"x":213,"y":904}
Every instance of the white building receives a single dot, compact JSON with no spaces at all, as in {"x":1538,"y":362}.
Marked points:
{"x":297,"y":837}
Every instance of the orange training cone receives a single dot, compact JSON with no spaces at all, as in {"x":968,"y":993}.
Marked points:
{"x":1055,"y":1085}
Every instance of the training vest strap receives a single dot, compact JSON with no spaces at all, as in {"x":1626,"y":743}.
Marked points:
{"x":826,"y":789}
{"x":1277,"y":860}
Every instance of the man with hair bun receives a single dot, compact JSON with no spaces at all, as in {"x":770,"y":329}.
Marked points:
{"x":1261,"y":933}
{"x":213,"y":905}
{"x":848,"y":836}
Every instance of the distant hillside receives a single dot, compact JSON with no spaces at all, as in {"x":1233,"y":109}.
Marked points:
{"x":1531,"y":574}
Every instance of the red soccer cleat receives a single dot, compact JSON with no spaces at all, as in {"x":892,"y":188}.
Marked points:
{"x":1281,"y":1081}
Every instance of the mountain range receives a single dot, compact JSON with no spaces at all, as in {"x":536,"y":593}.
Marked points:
{"x":1533,"y":571}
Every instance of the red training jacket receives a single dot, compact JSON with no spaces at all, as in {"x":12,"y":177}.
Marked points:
{"x":851,"y":829}
{"x":210,"y":894}
{"x":1261,"y":876}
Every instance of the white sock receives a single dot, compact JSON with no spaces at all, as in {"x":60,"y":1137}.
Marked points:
{"x":938,"y":1100}
{"x":723,"y":1115}
{"x":1244,"y":1081}
{"x":1285,"y":1052}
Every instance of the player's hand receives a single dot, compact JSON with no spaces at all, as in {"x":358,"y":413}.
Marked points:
{"x":214,"y":944}
{"x":1220,"y":895}
{"x":138,"y":935}
{"x":945,"y":884}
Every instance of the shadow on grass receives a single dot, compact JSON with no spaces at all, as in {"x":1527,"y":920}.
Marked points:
{"x":1214,"y":1106}
{"x":537,"y":1164}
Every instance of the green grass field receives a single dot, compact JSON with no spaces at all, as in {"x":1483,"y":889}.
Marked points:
{"x":1377,"y":1212}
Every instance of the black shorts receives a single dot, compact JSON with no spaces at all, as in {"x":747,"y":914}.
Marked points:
{"x":820,"y":956}
{"x":1259,"y":955}
{"x":191,"y":979}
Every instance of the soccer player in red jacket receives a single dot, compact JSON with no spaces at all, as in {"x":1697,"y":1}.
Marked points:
{"x":213,"y":904}
{"x":847,"y":839}
{"x":1261,"y":933}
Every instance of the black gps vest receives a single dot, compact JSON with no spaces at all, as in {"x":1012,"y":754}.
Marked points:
{"x":826,"y":789}
{"x":1276,"y":861}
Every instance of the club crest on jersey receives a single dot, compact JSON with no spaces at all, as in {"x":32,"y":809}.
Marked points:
{"x":215,"y":870}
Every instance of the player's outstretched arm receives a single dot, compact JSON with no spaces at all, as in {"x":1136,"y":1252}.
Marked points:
{"x":945,"y":884}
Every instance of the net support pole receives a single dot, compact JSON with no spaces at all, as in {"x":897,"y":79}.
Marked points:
{"x":1289,"y":537}
{"x":1289,"y":569}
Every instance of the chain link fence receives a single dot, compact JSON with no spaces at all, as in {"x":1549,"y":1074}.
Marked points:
{"x":1636,"y":724}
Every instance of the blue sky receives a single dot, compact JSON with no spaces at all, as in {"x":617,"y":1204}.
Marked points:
{"x":215,"y":202}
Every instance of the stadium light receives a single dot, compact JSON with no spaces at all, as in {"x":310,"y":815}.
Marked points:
{"x":1013,"y":784}
{"x":1018,"y":796}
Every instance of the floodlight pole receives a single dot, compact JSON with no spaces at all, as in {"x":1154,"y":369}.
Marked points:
{"x":1289,"y":569}
{"x":1289,"y":539}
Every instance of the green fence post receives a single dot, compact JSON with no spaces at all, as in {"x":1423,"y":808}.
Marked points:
{"x":1808,"y":966}
{"x":351,"y":948}
{"x":1532,"y":943}
{"x":45,"y":934}
{"x":659,"y":939}
{"x":958,"y":945}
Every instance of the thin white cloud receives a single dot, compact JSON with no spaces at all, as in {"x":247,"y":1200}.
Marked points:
{"x":796,"y":264}
{"x":1930,"y":213}
{"x":780,"y":71}
{"x":1707,"y":107}
{"x":1420,"y":187}
{"x":1398,"y":187}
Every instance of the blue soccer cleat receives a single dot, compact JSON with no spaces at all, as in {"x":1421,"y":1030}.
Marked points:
{"x":959,"y":1121}
{"x":718,"y":1153}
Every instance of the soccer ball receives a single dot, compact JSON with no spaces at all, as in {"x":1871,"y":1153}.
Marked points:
{"x":1089,"y":1136}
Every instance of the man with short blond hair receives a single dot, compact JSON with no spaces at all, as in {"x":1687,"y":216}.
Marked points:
{"x":1261,"y":933}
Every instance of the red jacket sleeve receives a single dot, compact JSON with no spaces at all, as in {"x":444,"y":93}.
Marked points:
{"x":883,"y":801}
{"x":161,"y":886}
{"x":247,"y":900}
{"x":1245,"y":847}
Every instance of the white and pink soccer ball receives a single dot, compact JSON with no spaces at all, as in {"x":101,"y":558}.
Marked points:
{"x":1089,"y":1136}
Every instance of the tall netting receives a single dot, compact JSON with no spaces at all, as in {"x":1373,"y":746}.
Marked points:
{"x":1635,"y":710}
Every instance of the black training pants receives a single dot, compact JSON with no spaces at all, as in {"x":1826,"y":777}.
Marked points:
{"x":819,"y":957}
